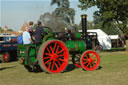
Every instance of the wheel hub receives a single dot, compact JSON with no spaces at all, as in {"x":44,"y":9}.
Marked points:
{"x":55,"y":55}
{"x":90,"y":60}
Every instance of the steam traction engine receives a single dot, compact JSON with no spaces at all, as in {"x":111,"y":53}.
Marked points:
{"x":52,"y":55}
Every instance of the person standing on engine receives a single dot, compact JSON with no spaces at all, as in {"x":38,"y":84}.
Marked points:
{"x":39,"y":32}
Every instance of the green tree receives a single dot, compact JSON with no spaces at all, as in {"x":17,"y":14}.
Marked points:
{"x":10,"y":29}
{"x":1,"y":30}
{"x":64,"y":10}
{"x":90,"y":25}
{"x":109,"y":27}
{"x":110,"y":11}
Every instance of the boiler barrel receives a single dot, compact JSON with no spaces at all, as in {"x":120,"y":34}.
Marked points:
{"x":79,"y":45}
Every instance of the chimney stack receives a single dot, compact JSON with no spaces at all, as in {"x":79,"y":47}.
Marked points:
{"x":84,"y":25}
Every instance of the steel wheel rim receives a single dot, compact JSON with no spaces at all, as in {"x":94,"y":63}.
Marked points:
{"x":90,"y":60}
{"x":6,"y":57}
{"x":55,"y":56}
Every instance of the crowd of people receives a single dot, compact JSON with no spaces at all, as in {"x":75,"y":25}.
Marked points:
{"x":29,"y":36}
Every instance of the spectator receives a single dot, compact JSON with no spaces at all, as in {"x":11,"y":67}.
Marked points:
{"x":26,"y":36}
{"x":30,"y":28}
{"x":39,"y":32}
{"x":20,"y":39}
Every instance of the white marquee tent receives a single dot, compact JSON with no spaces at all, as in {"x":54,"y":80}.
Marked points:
{"x":103,"y":38}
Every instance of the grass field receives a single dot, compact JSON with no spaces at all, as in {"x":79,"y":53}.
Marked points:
{"x":114,"y":71}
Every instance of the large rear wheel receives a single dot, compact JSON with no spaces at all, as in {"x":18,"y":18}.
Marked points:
{"x":90,"y":60}
{"x":53,"y":56}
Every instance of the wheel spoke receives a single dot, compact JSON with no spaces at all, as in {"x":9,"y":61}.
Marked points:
{"x":48,"y":50}
{"x":48,"y":54}
{"x":60,"y":51}
{"x":88,"y":64}
{"x":61,"y":59}
{"x":54,"y":47}
{"x":60,"y":55}
{"x":57,"y":48}
{"x":92,"y":55}
{"x":86,"y":56}
{"x":95,"y":61}
{"x":93,"y":64}
{"x":85,"y":59}
{"x":51,"y":49}
{"x":53,"y":64}
{"x":58,"y":62}
{"x":85,"y":62}
{"x":89,"y":54}
{"x":49,"y":65}
{"x":56,"y":65}
{"x":46,"y":57}
{"x":47,"y":61}
{"x":94,"y":58}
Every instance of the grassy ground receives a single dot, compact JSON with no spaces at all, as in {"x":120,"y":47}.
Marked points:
{"x":114,"y":71}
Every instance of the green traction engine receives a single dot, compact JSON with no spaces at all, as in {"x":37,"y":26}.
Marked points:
{"x":52,"y":56}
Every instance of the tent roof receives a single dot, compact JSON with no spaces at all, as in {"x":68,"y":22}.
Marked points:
{"x":114,"y":36}
{"x":98,"y":31}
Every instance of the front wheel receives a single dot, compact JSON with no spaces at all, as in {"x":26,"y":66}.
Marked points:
{"x":90,"y":60}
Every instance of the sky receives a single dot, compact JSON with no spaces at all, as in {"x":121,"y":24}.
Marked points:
{"x":13,"y":13}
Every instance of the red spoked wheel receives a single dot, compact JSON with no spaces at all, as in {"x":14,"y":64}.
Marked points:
{"x":6,"y":57}
{"x":53,"y":56}
{"x":90,"y":60}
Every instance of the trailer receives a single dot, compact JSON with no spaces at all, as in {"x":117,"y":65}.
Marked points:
{"x":8,"y":47}
{"x":52,"y":55}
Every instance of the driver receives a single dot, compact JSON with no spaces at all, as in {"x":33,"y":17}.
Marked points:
{"x":39,"y":32}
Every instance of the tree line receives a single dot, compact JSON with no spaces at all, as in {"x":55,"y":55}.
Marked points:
{"x":2,"y":30}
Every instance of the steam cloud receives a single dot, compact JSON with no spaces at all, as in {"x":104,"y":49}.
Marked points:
{"x":57,"y":24}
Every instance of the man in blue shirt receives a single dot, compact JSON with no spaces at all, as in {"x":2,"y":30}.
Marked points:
{"x":20,"y":39}
{"x":26,"y":36}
